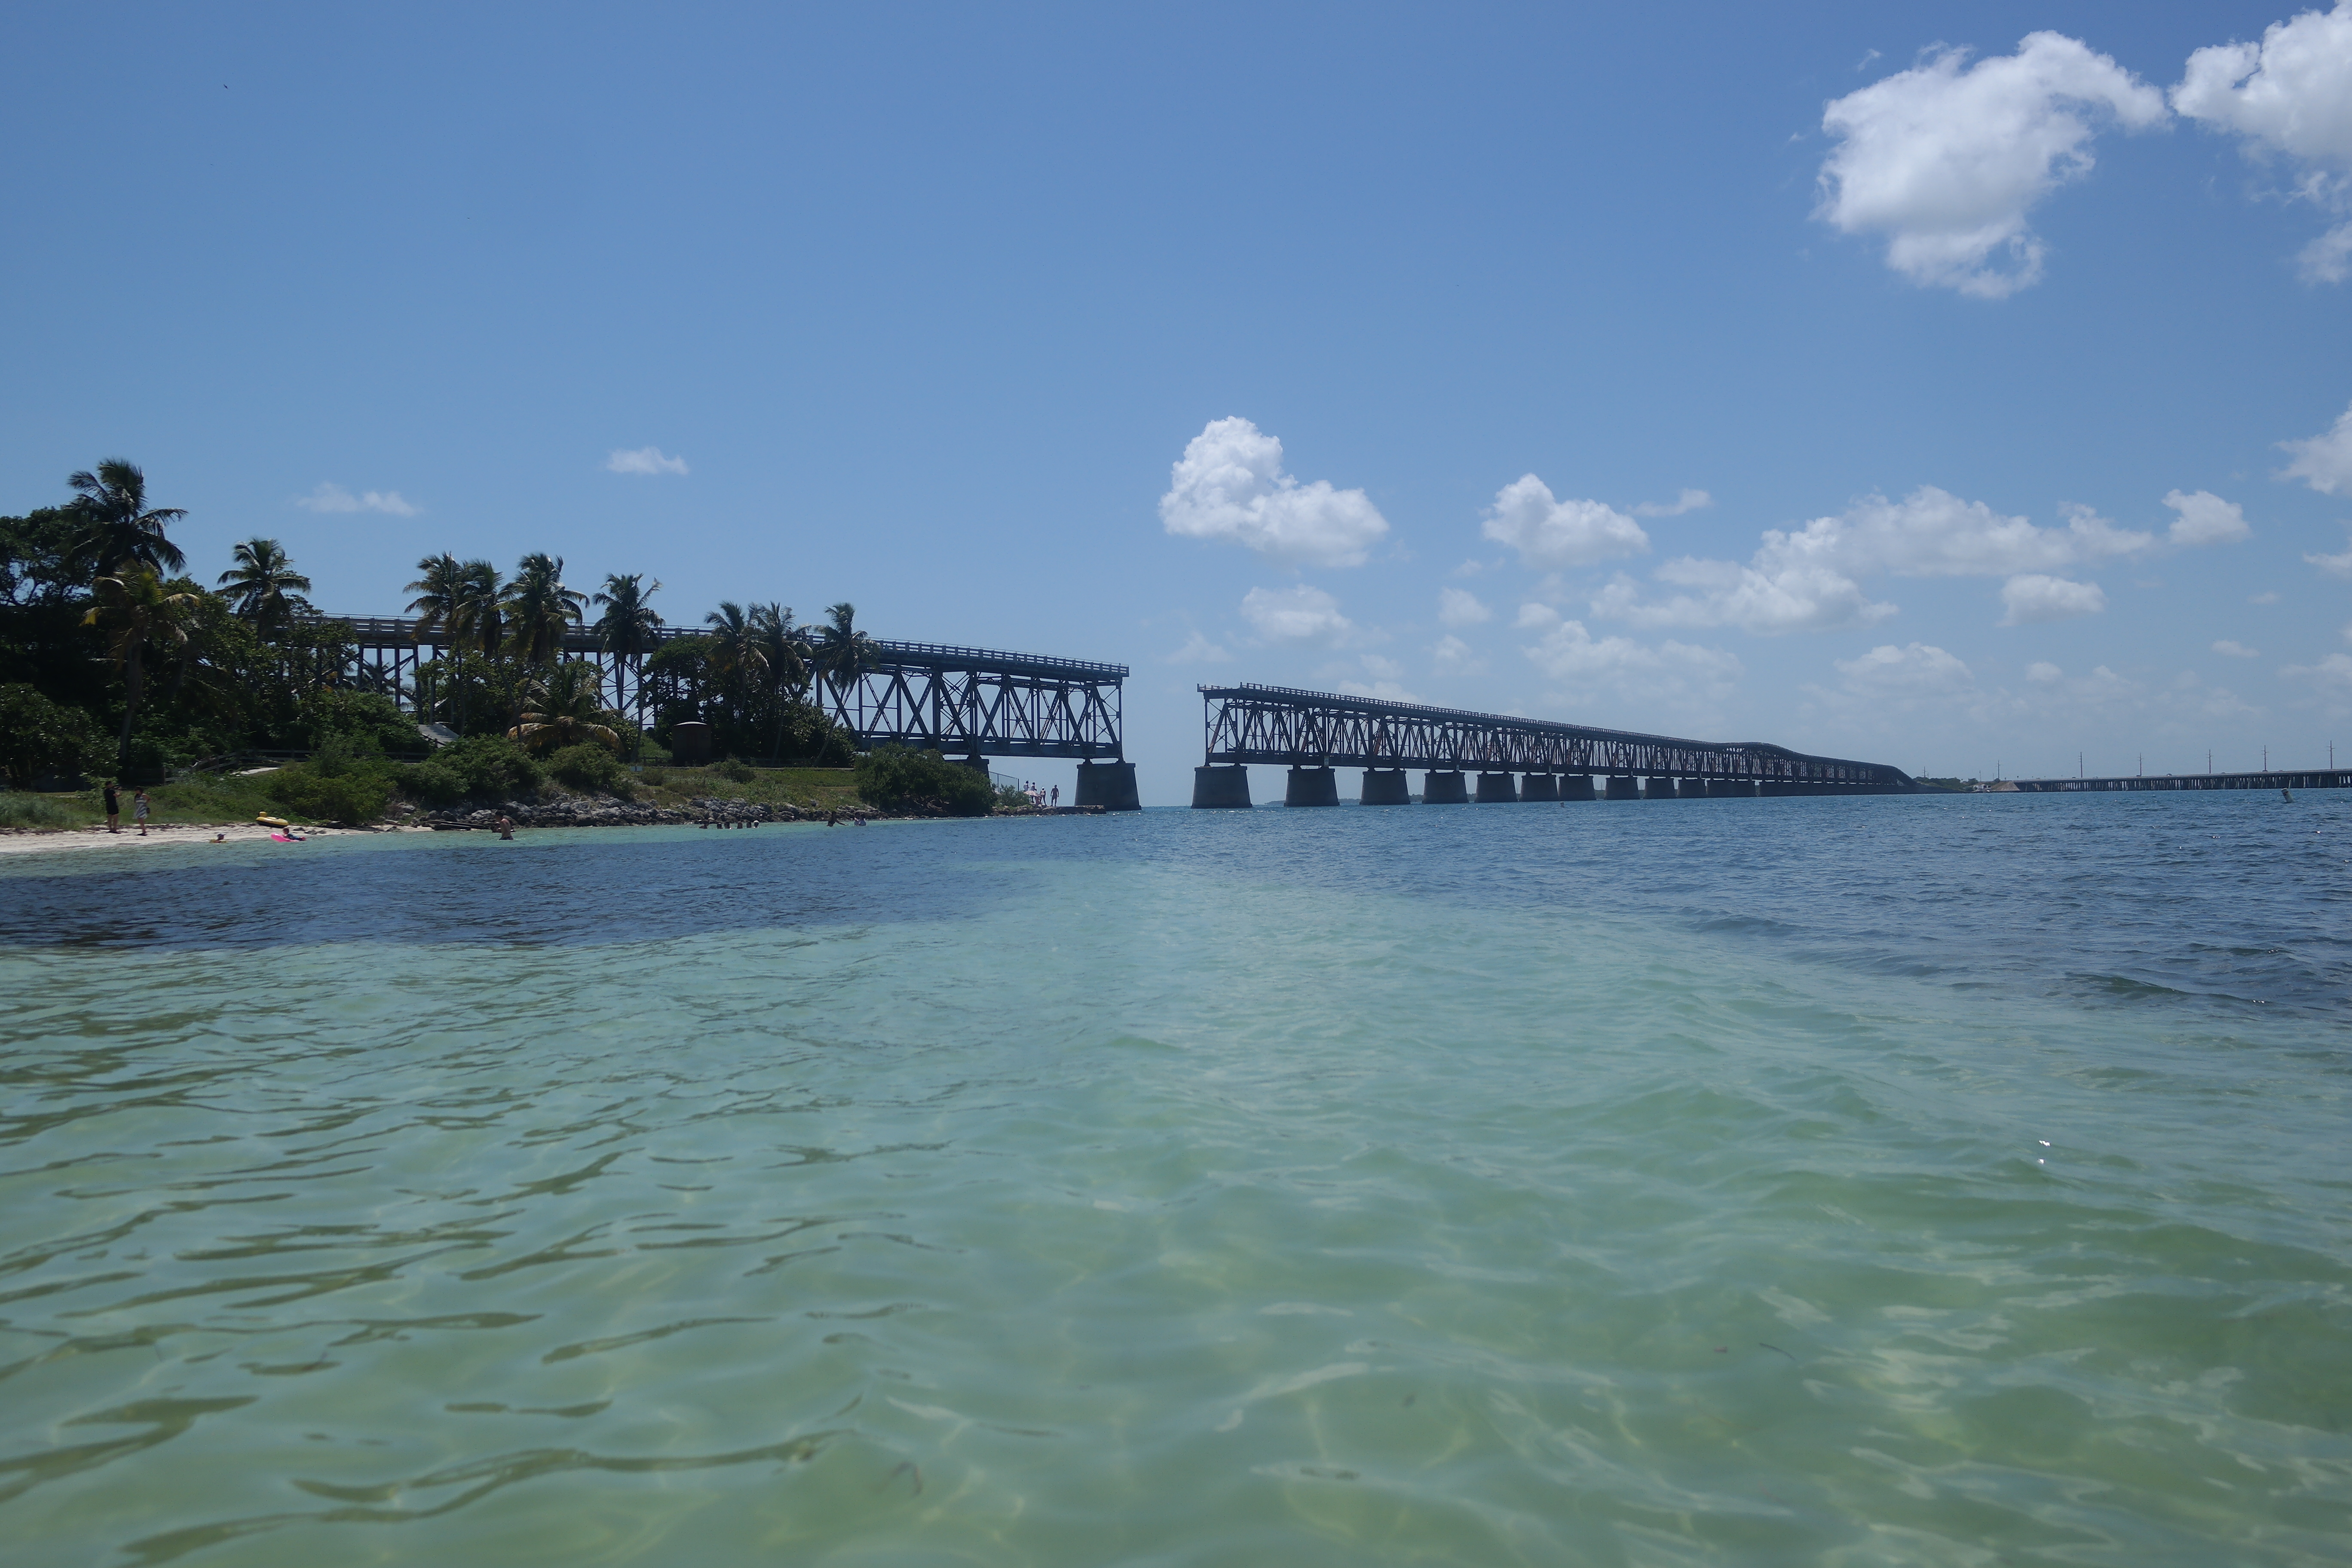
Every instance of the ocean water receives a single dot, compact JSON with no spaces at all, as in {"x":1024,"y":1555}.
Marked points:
{"x":1944,"y":1181}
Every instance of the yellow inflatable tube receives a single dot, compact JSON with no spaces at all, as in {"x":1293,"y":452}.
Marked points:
{"x":273,"y":822}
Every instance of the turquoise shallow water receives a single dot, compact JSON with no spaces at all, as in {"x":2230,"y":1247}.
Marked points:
{"x":1716,"y":1182}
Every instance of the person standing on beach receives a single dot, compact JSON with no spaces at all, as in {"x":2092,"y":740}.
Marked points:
{"x":138,"y":811}
{"x":1057,"y":797}
{"x":114,"y":808}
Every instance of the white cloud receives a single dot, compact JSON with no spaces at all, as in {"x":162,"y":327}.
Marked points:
{"x":1947,"y":158}
{"x":2041,"y":672}
{"x":1767,"y":597}
{"x":2032,"y":596}
{"x":1452,"y":656}
{"x":2262,"y":598}
{"x":1229,"y":484}
{"x":1295,"y":615}
{"x":2236,"y":649}
{"x":2328,"y":259}
{"x":331,"y":497}
{"x":2334,"y":565}
{"x":1199,"y":649}
{"x":1689,"y":501}
{"x":1460,"y":607}
{"x":1370,"y":676}
{"x":1907,"y":674}
{"x":1550,"y":533}
{"x":1535,"y":616}
{"x":643,"y":461}
{"x":1620,"y":666}
{"x":2323,"y":462}
{"x":2206,"y":518}
{"x":2332,"y":676}
{"x":2291,"y":93}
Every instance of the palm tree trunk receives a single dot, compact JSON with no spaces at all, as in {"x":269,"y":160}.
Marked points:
{"x":131,"y":686}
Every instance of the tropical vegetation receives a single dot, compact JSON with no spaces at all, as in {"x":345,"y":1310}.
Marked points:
{"x":116,"y":661}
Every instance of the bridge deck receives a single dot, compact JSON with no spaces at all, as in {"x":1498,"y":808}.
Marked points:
{"x":1317,"y":729}
{"x":2285,"y":778}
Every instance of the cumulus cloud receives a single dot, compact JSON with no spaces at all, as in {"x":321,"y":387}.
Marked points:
{"x":1461,"y":607}
{"x":643,"y":461}
{"x":1689,"y":501}
{"x":1452,"y":656}
{"x":2033,"y":597}
{"x":2041,"y":672}
{"x":1549,"y":533}
{"x":2331,"y":676}
{"x":1300,"y":614}
{"x":1620,"y":666}
{"x":1229,"y":485}
{"x":1909,"y":673}
{"x":2323,"y":461}
{"x":2206,"y":518}
{"x":1947,"y":158}
{"x":2236,"y":649}
{"x":331,"y":497}
{"x":1199,"y":649}
{"x":1534,"y":616}
{"x":2290,"y":94}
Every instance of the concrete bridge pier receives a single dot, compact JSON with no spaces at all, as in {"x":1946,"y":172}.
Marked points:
{"x":1221,"y":787}
{"x":1386,"y":786}
{"x":1623,"y":786}
{"x":1443,"y":789}
{"x":1540,"y":787}
{"x":1311,"y":786}
{"x":1494,"y":789}
{"x":1576,"y":786}
{"x":1658,"y":789}
{"x":1110,"y":785}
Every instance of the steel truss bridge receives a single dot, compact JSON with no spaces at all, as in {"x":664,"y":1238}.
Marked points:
{"x":963,"y":702}
{"x":1321,"y":731}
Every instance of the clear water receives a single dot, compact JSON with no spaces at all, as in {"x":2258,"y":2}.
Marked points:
{"x":1876,"y":1181}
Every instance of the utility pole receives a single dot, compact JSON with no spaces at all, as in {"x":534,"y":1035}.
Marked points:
{"x":2078,"y":765}
{"x":2143,"y":764}
{"x":2266,"y":759}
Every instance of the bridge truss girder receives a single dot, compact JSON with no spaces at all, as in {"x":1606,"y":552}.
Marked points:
{"x":1314,"y":729}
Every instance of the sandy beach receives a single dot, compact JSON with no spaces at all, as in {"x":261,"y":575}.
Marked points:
{"x":98,"y":839}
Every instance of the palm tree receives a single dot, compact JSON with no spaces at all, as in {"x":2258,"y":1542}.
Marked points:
{"x":119,"y":530}
{"x":481,"y":606}
{"x":628,"y":625}
{"x":843,"y":652}
{"x":783,"y":659}
{"x":440,"y":590}
{"x":138,"y":616}
{"x":563,"y":707}
{"x":540,"y":610}
{"x":263,"y":586}
{"x":737,"y":658}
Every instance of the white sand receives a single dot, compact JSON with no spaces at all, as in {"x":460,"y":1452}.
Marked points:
{"x":163,"y":833}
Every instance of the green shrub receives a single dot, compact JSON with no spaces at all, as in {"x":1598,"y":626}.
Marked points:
{"x":590,"y":766}
{"x":366,"y":721}
{"x":477,"y":767}
{"x":736,"y":769}
{"x":1011,"y":797}
{"x":37,"y":811}
{"x":896,"y":779}
{"x":39,"y":736}
{"x":657,"y":777}
{"x":354,"y":795}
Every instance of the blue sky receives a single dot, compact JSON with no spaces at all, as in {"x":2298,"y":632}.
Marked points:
{"x":991,"y":322}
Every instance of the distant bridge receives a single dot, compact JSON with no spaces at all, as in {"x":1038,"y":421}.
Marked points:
{"x":968,"y":702}
{"x":1313,"y":732}
{"x":2317,"y":778}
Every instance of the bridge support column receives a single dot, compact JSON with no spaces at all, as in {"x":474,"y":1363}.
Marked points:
{"x":1110,"y":785}
{"x":1494,"y":789}
{"x":1443,"y":789}
{"x":1221,"y":787}
{"x":1624,"y":787}
{"x":1311,"y":786}
{"x":1540,"y":787}
{"x":1386,"y":786}
{"x":1657,"y":789}
{"x":1576,"y":786}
